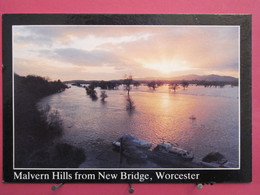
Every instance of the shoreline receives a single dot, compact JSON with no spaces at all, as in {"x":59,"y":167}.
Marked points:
{"x":35,"y":137}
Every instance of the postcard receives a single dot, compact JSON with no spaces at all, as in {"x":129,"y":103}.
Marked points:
{"x":127,"y":98}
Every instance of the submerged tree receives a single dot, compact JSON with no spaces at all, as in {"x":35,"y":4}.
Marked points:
{"x":94,"y":95}
{"x":152,"y":85}
{"x":127,"y":83}
{"x":91,"y":92}
{"x":136,"y":84}
{"x":185,"y":84}
{"x":173,"y":86}
{"x":103,"y":96}
{"x":110,"y":85}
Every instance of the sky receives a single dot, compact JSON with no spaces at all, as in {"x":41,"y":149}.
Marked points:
{"x":98,"y":52}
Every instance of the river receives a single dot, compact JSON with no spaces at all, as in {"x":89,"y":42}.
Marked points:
{"x":198,"y":119}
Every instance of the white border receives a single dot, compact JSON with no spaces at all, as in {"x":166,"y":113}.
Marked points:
{"x":118,"y":169}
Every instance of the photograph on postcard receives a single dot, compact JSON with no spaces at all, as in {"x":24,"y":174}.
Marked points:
{"x":126,"y":96}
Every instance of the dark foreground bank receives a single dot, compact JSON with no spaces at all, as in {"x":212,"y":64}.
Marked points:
{"x":35,"y":144}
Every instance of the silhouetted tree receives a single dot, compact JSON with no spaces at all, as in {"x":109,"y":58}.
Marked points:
{"x":173,"y":86}
{"x":40,"y":86}
{"x":103,"y":85}
{"x":234,"y":84}
{"x":127,"y":83}
{"x":215,"y":83}
{"x":103,"y":95}
{"x":137,"y":84}
{"x":185,"y":84}
{"x":152,"y":85}
{"x":78,"y":84}
{"x":108,"y":85}
{"x":91,"y":91}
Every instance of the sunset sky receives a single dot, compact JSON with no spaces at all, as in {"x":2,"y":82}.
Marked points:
{"x":110,"y":52}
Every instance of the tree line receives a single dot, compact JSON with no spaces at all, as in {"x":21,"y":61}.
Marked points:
{"x":40,"y":86}
{"x":128,"y":82}
{"x":34,"y":134}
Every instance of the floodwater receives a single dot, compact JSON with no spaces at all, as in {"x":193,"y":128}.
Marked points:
{"x":199,"y":119}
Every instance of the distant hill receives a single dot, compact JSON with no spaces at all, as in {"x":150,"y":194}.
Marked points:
{"x":190,"y":77}
{"x":211,"y":77}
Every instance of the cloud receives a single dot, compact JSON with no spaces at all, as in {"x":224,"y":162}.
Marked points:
{"x":138,"y":50}
{"x":201,"y":47}
{"x":33,"y":36}
{"x":84,"y":58}
{"x":94,"y":59}
{"x":51,"y":35}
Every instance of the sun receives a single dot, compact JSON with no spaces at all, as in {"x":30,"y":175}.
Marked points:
{"x":168,"y":66}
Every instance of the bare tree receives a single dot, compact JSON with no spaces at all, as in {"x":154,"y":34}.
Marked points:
{"x":127,"y":83}
{"x":173,"y":86}
{"x":103,"y":96}
{"x":185,"y":84}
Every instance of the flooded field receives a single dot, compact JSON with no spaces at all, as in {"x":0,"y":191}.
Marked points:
{"x":198,"y":119}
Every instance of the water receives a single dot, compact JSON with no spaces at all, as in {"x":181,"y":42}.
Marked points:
{"x":159,"y":115}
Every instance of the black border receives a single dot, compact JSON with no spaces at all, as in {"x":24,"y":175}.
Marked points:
{"x":206,"y":176}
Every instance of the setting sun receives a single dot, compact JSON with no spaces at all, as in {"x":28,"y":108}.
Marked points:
{"x":168,"y":66}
